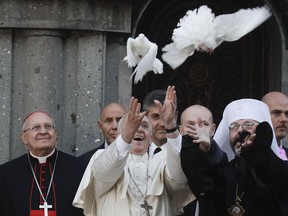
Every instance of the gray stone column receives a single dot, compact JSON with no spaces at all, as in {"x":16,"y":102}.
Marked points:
{"x":54,"y":57}
{"x":5,"y":92}
{"x":37,"y":78}
{"x":91,"y":52}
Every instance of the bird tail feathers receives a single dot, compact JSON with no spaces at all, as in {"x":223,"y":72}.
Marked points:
{"x":144,"y":67}
{"x":173,"y":57}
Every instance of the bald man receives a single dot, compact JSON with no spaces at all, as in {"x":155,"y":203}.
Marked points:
{"x":199,"y":116}
{"x":278,"y":106}
{"x":197,"y":122}
{"x":254,"y":182}
{"x":108,"y":125}
{"x":44,"y":180}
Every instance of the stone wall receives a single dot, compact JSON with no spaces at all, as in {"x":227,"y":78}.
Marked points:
{"x":65,"y":56}
{"x":56,"y":56}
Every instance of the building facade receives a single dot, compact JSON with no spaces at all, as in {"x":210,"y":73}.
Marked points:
{"x":65,"y":57}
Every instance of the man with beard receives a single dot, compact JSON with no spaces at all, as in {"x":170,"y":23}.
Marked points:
{"x":124,"y":180}
{"x":254,"y":182}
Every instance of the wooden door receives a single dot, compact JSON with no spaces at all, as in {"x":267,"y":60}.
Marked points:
{"x":245,"y":68}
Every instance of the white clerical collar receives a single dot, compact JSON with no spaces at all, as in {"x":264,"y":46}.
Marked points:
{"x":42,"y":159}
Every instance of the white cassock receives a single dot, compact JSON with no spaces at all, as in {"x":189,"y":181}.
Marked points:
{"x":108,"y":189}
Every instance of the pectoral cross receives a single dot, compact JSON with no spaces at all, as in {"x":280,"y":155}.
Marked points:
{"x":236,"y":209}
{"x":45,"y":207}
{"x":146,"y":207}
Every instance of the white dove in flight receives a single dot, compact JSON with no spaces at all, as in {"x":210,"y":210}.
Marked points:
{"x":142,"y":52}
{"x":200,"y":30}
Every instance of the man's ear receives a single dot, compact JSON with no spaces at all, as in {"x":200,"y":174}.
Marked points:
{"x":213,"y":129}
{"x":99,"y":125}
{"x":181,"y":129}
{"x":24,"y":140}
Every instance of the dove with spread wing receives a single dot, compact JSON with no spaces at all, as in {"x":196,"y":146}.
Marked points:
{"x":142,"y":52}
{"x":200,"y":30}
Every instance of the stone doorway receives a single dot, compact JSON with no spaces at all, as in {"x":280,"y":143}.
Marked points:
{"x":249,"y":67}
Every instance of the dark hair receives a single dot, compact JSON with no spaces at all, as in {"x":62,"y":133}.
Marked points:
{"x":148,"y":101}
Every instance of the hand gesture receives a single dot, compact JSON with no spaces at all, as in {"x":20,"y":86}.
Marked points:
{"x":167,"y":110}
{"x":200,"y":134}
{"x":132,"y":120}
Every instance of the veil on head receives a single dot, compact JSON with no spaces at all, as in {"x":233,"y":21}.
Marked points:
{"x":242,"y":109}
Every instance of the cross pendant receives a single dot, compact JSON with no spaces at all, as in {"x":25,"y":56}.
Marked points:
{"x":146,"y":207}
{"x":236,"y":209}
{"x":45,"y":207}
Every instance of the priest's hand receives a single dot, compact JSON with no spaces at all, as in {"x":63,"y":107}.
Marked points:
{"x":132,"y":120}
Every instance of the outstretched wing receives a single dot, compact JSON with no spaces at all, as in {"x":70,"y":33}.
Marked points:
{"x":131,"y":50}
{"x":174,"y":57}
{"x":146,"y":64}
{"x":231,"y":27}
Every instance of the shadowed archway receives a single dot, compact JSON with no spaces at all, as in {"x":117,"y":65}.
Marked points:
{"x":248,"y":67}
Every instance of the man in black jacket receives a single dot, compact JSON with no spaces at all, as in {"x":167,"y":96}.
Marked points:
{"x":254,"y":182}
{"x":108,"y":124}
{"x":201,"y":156}
{"x":44,"y":180}
{"x":278,"y":106}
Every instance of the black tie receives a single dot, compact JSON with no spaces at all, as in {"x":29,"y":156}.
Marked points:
{"x":158,"y":149}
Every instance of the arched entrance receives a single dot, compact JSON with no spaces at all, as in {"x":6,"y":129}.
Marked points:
{"x":249,"y":67}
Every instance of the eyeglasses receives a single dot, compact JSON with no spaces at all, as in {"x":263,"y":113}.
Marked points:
{"x":38,"y":127}
{"x":245,"y":126}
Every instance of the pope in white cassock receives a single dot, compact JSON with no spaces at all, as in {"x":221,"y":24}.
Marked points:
{"x":123,"y":180}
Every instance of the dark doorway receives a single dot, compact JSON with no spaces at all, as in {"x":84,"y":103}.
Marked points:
{"x":241,"y":69}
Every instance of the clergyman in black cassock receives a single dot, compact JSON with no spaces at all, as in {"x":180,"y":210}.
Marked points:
{"x":42,"y":182}
{"x":19,"y":194}
{"x":254,"y":182}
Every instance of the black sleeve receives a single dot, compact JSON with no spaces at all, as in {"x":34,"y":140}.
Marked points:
{"x":205,"y":175}
{"x":272,"y":170}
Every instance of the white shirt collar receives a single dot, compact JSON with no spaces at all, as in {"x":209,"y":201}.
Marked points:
{"x":153,"y":146}
{"x":106,"y":145}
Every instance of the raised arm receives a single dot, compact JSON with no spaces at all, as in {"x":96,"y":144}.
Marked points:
{"x":109,"y":166}
{"x":168,"y":114}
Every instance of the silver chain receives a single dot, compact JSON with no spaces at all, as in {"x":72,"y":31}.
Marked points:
{"x":51,"y":179}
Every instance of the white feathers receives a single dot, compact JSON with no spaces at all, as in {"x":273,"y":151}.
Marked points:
{"x":142,"y":52}
{"x":198,"y":30}
{"x":201,"y":30}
